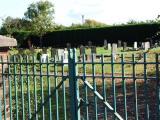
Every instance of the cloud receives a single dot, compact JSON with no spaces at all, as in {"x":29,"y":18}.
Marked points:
{"x":107,"y":11}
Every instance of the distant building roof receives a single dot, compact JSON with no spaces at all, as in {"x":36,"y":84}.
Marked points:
{"x":7,"y":41}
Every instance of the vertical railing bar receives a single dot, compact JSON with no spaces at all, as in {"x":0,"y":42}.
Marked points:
{"x":104,"y":86}
{"x":10,"y":89}
{"x":55,"y":77}
{"x":113,"y":84}
{"x":124,"y":86}
{"x":157,"y":87}
{"x":49,"y":89}
{"x":64,"y":94}
{"x":86,"y":89}
{"x":22,"y":92}
{"x":94,"y":87}
{"x":73,"y":86}
{"x":35,"y":88}
{"x":135,"y":87}
{"x":42,"y":92}
{"x":28,"y":87}
{"x":4,"y":88}
{"x":15,"y":86}
{"x":146,"y":89}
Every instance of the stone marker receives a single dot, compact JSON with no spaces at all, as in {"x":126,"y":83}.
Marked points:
{"x":135,"y":45}
{"x":65,"y":58}
{"x":89,"y":43}
{"x":82,"y":50}
{"x":60,"y":55}
{"x":109,"y":46}
{"x":119,"y":43}
{"x":114,"y":50}
{"x":44,"y":58}
{"x":53,"y":52}
{"x":93,"y":50}
{"x":146,"y":45}
{"x":68,"y":45}
{"x":105,"y":45}
{"x":124,"y":45}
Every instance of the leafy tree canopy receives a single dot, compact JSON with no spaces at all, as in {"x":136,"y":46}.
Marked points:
{"x":11,"y":25}
{"x":40,"y":14}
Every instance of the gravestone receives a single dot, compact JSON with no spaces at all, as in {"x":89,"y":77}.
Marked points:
{"x":44,"y":55}
{"x":68,"y":45}
{"x":124,"y":45}
{"x":53,"y":52}
{"x":105,"y":45}
{"x":94,"y":52}
{"x":109,"y":46}
{"x":143,"y":45}
{"x":60,"y":55}
{"x":114,"y":50}
{"x":135,"y":45}
{"x":44,"y":58}
{"x":146,"y":45}
{"x":119,"y":43}
{"x":65,"y":56}
{"x":82,"y":50}
{"x":89,"y":43}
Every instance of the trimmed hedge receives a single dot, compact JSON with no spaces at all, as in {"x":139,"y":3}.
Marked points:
{"x":127,"y":33}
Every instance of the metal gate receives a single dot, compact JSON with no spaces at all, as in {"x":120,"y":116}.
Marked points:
{"x":80,"y":89}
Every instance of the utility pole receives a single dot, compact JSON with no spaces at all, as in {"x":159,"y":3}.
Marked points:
{"x":82,"y":19}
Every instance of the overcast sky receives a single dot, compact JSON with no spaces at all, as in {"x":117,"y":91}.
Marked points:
{"x":107,"y":11}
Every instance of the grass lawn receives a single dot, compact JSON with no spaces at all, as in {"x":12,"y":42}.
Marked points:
{"x":60,"y":98}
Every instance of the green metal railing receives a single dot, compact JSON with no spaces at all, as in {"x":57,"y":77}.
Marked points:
{"x":103,"y":88}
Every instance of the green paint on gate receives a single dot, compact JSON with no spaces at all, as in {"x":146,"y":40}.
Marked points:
{"x":39,"y":90}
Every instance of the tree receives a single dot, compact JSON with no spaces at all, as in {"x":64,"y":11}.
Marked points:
{"x":93,"y":23}
{"x":40,"y":14}
{"x":11,"y":25}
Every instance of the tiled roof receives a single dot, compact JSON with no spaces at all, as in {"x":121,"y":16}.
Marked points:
{"x":7,"y":41}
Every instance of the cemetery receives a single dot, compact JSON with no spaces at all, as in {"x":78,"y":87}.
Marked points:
{"x":127,"y":73}
{"x":86,"y":71}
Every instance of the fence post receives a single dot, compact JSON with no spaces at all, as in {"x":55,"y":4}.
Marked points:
{"x":73,"y":86}
{"x":0,"y":110}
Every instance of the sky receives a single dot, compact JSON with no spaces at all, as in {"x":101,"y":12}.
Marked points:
{"x":106,"y":11}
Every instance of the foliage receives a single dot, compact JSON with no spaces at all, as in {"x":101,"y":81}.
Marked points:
{"x":126,"y":33}
{"x":40,"y":14}
{"x":11,"y":25}
{"x":93,"y":23}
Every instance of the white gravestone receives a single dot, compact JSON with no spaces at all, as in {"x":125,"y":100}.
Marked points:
{"x":60,"y":55}
{"x":109,"y":46}
{"x":114,"y":50}
{"x":44,"y":58}
{"x":146,"y":45}
{"x":65,"y":56}
{"x":135,"y":45}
